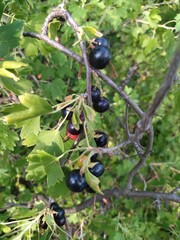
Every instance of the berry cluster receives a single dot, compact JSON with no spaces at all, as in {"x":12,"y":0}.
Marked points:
{"x":100,"y":104}
{"x":59,"y":215}
{"x":76,"y":181}
{"x":100,"y":55}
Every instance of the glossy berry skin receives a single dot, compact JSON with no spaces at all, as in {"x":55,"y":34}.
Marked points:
{"x":102,"y":105}
{"x":94,"y":157}
{"x":59,"y":210}
{"x":95,"y":93}
{"x":97,"y":170}
{"x":60,"y":213}
{"x":102,"y":140}
{"x":59,"y":221}
{"x":54,"y":206}
{"x":66,"y":113}
{"x":101,"y":42}
{"x":99,"y":57}
{"x":72,"y":130}
{"x":75,"y":182}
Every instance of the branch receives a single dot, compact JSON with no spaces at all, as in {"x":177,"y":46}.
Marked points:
{"x":129,"y":76}
{"x":170,"y":78}
{"x":117,"y":193}
{"x":143,"y":157}
{"x":61,"y":12}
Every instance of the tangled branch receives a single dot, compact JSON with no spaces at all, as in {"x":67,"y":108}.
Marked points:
{"x":143,"y":126}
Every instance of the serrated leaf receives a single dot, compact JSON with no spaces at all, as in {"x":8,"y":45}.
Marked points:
{"x":59,"y":189}
{"x":5,"y":73}
{"x":50,"y":141}
{"x":43,"y":164}
{"x":92,"y":181}
{"x":34,"y":106}
{"x":10,"y":36}
{"x":8,"y":138}
{"x":12,"y":64}
{"x":30,"y":130}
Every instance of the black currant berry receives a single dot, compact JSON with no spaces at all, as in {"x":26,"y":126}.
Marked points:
{"x":60,"y":213}
{"x":72,"y":130}
{"x":97,"y":170}
{"x":54,"y":206}
{"x":65,"y":112}
{"x":75,"y":181}
{"x":94,"y":157}
{"x":59,"y":221}
{"x":99,"y":57}
{"x":101,"y":42}
{"x":101,"y":105}
{"x":95,"y":92}
{"x":59,"y":210}
{"x":89,"y":189}
{"x":102,"y":140}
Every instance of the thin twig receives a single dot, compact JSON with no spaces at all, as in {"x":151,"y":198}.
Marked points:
{"x":129,"y":76}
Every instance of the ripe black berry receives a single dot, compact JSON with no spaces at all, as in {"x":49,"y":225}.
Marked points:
{"x":101,"y":42}
{"x":59,"y":210}
{"x":99,"y":57}
{"x":94,"y":157}
{"x":65,"y":112}
{"x":95,"y":92}
{"x":97,"y":170}
{"x":76,"y":182}
{"x":101,"y":105}
{"x":54,"y":206}
{"x":101,"y":141}
{"x":59,"y":216}
{"x":72,"y":130}
{"x":60,"y":221}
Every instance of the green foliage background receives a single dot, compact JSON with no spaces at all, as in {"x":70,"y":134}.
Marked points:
{"x":142,"y":32}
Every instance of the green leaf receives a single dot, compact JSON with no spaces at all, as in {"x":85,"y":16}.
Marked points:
{"x":10,"y":36}
{"x":53,"y":28}
{"x":5,"y":73}
{"x":34,"y":106}
{"x":1,"y":9}
{"x":50,"y":141}
{"x":92,"y":31}
{"x":12,"y":64}
{"x":59,"y":189}
{"x":89,"y":112}
{"x":43,"y":164}
{"x":150,"y":45}
{"x":18,"y":87}
{"x":92,"y":181}
{"x":8,"y":138}
{"x":30,"y":130}
{"x":177,"y":26}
